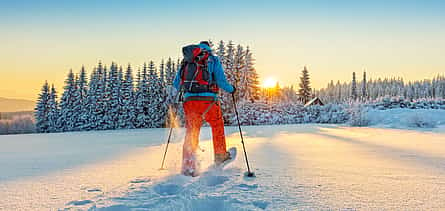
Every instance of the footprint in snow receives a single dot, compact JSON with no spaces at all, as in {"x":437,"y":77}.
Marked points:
{"x":215,"y":180}
{"x":140,"y":180}
{"x":79,"y":203}
{"x":115,"y":208}
{"x":247,"y":187}
{"x":94,"y":190}
{"x":260,"y":204}
{"x":167,"y":189}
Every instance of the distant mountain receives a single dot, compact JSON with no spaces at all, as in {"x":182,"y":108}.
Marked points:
{"x":13,"y":105}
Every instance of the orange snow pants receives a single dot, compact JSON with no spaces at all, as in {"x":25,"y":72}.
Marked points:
{"x":195,"y":112}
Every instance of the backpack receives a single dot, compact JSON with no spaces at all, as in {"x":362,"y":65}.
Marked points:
{"x":195,"y":76}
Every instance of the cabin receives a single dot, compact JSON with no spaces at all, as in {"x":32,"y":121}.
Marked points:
{"x":315,"y":101}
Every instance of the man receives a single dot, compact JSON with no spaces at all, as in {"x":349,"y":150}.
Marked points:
{"x":201,"y":102}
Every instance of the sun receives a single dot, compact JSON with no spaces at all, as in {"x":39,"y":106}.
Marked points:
{"x":269,"y":83}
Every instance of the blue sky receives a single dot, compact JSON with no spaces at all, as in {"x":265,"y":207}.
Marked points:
{"x":333,"y":38}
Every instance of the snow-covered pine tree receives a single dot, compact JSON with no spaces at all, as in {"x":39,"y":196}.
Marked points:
{"x":42,"y":110}
{"x":105,"y":117}
{"x":169,"y":72}
{"x":113,"y":88}
{"x":80,"y":101}
{"x":305,"y":87}
{"x":127,"y":117}
{"x":364,"y":89}
{"x":156,"y":95}
{"x":93,"y":97}
{"x":229,"y":60}
{"x":240,"y":74}
{"x":53,"y":113}
{"x":138,"y":77}
{"x":175,"y":68}
{"x":339,"y":92}
{"x":142,"y":101}
{"x":120,"y":77}
{"x":442,"y":87}
{"x":67,"y":115}
{"x":221,"y":53}
{"x":331,"y":92}
{"x":162,"y":72}
{"x":253,"y":81}
{"x":354,"y":87}
{"x":177,"y":65}
{"x":226,"y":98}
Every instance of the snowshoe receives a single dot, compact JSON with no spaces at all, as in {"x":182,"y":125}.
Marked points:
{"x":222,"y":160}
{"x":190,"y":166}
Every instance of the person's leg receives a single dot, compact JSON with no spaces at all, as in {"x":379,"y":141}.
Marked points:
{"x":193,"y":123}
{"x":215,"y":119}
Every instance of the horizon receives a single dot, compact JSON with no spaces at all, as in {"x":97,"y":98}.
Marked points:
{"x":387,"y":39}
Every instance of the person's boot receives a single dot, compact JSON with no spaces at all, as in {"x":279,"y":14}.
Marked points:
{"x":222,"y":157}
{"x":190,"y":165}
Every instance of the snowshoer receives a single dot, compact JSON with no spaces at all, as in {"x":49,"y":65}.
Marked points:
{"x":199,"y":78}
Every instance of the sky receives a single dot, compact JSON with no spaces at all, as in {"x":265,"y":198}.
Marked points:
{"x":43,"y":40}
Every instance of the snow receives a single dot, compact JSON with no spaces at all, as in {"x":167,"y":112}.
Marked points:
{"x":406,"y":118}
{"x":298,"y":167}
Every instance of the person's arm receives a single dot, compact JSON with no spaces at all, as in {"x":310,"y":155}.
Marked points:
{"x":220,"y":77}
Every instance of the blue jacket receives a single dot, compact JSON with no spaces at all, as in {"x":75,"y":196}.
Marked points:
{"x":215,"y":67}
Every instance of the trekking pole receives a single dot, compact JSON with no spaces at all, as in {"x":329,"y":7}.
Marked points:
{"x":177,"y":99}
{"x":166,"y":146}
{"x":248,"y":173}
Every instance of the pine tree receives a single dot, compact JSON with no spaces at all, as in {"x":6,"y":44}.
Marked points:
{"x":93,"y":98}
{"x":226,"y":98}
{"x":113,"y":88}
{"x":42,"y":110}
{"x":364,"y":85}
{"x":104,"y":116}
{"x":240,"y":73}
{"x":170,"y":72}
{"x":127,"y":117}
{"x":354,"y":87}
{"x":67,"y":104}
{"x":305,"y":88}
{"x":53,"y":113}
{"x":138,"y":77}
{"x":80,"y":101}
{"x":339,"y":92}
{"x":229,"y":61}
{"x":142,"y":100}
{"x":221,"y":53}
{"x":253,"y":82}
{"x":162,"y":72}
{"x":156,"y":95}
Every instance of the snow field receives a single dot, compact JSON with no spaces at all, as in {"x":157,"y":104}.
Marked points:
{"x":298,"y":167}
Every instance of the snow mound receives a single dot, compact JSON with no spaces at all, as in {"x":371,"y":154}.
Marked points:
{"x":407,"y":118}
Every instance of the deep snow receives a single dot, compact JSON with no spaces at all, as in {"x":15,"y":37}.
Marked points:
{"x":302,"y":167}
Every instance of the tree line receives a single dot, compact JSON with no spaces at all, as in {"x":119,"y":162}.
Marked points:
{"x":114,"y":98}
{"x":358,"y":89}
{"x":368,"y":90}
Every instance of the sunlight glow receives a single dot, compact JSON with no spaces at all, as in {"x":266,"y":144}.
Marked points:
{"x":269,"y":83}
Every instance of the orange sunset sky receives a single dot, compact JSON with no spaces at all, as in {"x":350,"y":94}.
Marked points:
{"x":42,"y":41}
